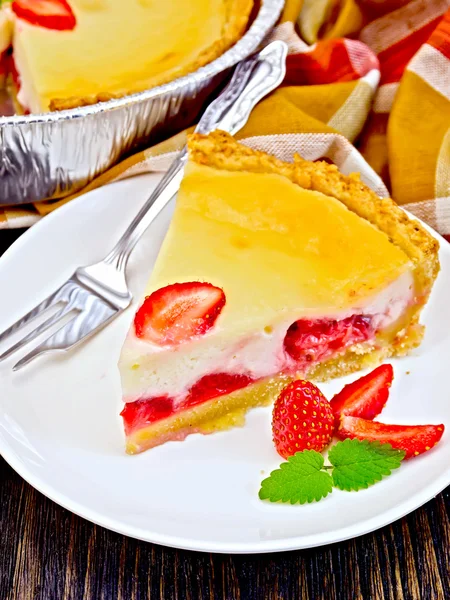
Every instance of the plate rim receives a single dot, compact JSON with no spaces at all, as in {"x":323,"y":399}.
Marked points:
{"x":185,"y":543}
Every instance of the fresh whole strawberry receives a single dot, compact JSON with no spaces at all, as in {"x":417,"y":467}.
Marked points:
{"x":51,"y":14}
{"x":178,"y":312}
{"x":302,"y":419}
{"x":413,"y":439}
{"x":364,"y":397}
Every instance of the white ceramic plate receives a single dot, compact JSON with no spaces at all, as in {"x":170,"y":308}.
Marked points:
{"x":60,"y":429}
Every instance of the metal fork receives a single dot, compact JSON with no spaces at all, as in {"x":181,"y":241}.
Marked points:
{"x":94,"y":295}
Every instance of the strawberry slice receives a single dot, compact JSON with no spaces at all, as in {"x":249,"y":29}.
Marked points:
{"x":413,"y":439}
{"x":178,"y":312}
{"x":140,"y":413}
{"x":214,"y":385}
{"x":364,"y":397}
{"x":52,"y":14}
{"x":315,"y":340}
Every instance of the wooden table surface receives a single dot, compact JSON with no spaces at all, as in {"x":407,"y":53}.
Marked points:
{"x":48,"y":553}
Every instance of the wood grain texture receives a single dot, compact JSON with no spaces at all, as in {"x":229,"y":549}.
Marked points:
{"x":47,"y":553}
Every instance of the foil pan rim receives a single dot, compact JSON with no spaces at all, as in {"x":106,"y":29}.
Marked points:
{"x":265,"y":19}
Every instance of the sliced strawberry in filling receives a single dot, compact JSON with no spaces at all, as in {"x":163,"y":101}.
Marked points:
{"x":51,"y":14}
{"x":212,"y":386}
{"x":316,"y":340}
{"x":144,"y":412}
{"x":140,"y":413}
{"x":178,"y":312}
{"x":4,"y":63}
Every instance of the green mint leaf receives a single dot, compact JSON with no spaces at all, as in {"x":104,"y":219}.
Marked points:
{"x":298,"y":480}
{"x":360,"y":463}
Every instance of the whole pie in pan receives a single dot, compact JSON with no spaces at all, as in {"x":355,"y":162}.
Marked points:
{"x":269,"y":271}
{"x":68,"y":53}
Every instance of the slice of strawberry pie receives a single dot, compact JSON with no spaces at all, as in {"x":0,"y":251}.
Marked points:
{"x":269,"y":271}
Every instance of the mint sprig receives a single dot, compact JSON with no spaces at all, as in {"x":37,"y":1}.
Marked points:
{"x":355,"y":465}
{"x":359,"y":464}
{"x":298,"y":480}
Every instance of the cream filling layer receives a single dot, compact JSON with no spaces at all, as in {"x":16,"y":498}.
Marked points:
{"x":149,"y":371}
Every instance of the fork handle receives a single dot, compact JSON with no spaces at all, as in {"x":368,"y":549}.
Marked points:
{"x":252,"y":79}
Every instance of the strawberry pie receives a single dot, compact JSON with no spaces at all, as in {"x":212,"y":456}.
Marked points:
{"x":69,"y":53}
{"x":270,"y":271}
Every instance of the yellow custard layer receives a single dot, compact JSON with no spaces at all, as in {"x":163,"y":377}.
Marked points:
{"x":275,"y":248}
{"x":122,"y":46}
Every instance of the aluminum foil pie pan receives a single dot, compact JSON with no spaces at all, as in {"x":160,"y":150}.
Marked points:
{"x":51,"y":155}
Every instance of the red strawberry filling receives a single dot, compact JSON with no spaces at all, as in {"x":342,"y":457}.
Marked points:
{"x":314,"y":341}
{"x":144,"y":412}
{"x":4,"y":63}
{"x":212,"y":386}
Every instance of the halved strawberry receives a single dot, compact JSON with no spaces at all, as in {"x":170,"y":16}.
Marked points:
{"x":178,"y":312}
{"x":413,"y":439}
{"x":52,"y":14}
{"x":364,"y":397}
